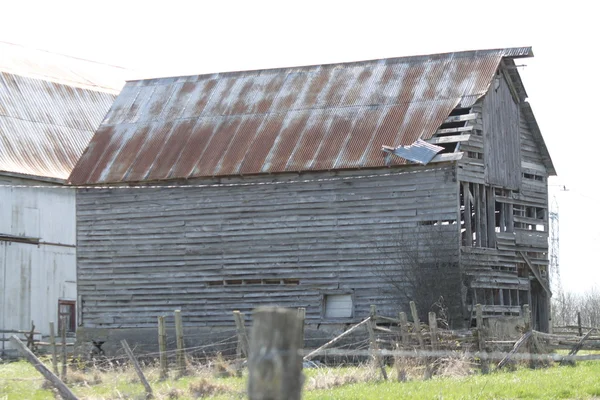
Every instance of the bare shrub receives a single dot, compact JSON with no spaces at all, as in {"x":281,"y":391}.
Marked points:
{"x":175,"y":393}
{"x":205,"y":388}
{"x":420,"y":264}
{"x":222,"y":368}
{"x":328,"y":378}
{"x":454,"y":366}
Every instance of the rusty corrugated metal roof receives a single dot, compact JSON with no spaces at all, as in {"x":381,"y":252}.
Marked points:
{"x":46,"y":124}
{"x":322,"y":117}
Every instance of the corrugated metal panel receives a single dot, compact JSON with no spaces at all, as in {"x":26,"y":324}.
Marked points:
{"x":420,"y":151}
{"x":45,"y":126}
{"x":309,"y":118}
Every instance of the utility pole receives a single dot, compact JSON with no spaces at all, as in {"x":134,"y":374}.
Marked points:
{"x":554,"y":271}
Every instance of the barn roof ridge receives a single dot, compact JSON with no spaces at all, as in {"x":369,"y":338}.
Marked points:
{"x":508,"y":52}
{"x":253,"y":122}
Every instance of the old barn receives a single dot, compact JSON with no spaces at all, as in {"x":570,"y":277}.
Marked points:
{"x":50,"y":106}
{"x":329,"y":187}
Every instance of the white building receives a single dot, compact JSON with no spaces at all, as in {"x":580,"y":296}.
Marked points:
{"x":50,"y":105}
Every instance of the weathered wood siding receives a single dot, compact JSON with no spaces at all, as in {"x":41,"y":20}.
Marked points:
{"x":501,"y":143}
{"x":495,"y":272}
{"x":208,"y":251}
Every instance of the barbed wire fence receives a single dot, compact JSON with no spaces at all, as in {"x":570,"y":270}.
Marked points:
{"x":385,"y":344}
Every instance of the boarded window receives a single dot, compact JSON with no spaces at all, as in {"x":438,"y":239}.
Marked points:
{"x":338,"y":306}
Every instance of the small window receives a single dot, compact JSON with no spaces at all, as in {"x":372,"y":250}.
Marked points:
{"x":338,"y":306}
{"x":66,"y":313}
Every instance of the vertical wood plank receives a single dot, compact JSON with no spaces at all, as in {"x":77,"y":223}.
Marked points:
{"x":467,"y":214}
{"x":481,"y":339}
{"x":483,"y":220}
{"x":491,"y":215}
{"x":477,"y":207}
{"x":510,"y":221}
{"x":274,"y":362}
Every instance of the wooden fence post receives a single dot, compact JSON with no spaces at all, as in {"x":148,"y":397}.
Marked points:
{"x":579,"y":329}
{"x":374,"y":347}
{"x":180,"y":355}
{"x":400,"y":370}
{"x":481,"y":339}
{"x":417,"y":327}
{"x":433,"y":330}
{"x":63,"y":334}
{"x":527,"y":317}
{"x":240,"y":325}
{"x":63,"y":390}
{"x":417,"y":324}
{"x":302,"y":318}
{"x":275,"y":362}
{"x":136,"y":365}
{"x":53,"y":345}
{"x":162,"y":348}
{"x":403,"y":328}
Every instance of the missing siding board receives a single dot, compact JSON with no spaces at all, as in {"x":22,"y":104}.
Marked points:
{"x":437,"y":222}
{"x":530,"y":218}
{"x":478,"y":215}
{"x":534,"y":177}
{"x":238,"y":282}
{"x":500,"y":301}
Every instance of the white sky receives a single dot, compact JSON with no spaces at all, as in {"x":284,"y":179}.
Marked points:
{"x":192,"y":37}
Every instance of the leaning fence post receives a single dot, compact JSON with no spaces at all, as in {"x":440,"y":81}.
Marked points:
{"x":374,"y":348}
{"x":53,"y":345}
{"x":180,"y":345}
{"x":481,"y":339}
{"x":63,"y":334}
{"x":136,"y":365}
{"x":63,"y":390}
{"x":162,"y":348}
{"x":275,"y":362}
{"x":417,"y":324}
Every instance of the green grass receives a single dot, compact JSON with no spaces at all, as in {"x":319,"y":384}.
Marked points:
{"x":19,"y":380}
{"x":581,"y":382}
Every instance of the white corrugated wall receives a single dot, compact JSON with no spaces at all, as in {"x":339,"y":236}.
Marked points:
{"x":33,"y":278}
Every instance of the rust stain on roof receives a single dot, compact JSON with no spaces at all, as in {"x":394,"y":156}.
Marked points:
{"x":295,"y":119}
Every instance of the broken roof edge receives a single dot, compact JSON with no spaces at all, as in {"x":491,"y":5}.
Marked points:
{"x":508,"y":53}
{"x":65,"y":82}
{"x":440,"y":161}
{"x":38,"y":178}
{"x":525,"y":107}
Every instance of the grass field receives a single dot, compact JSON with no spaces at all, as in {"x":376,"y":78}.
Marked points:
{"x":19,"y":380}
